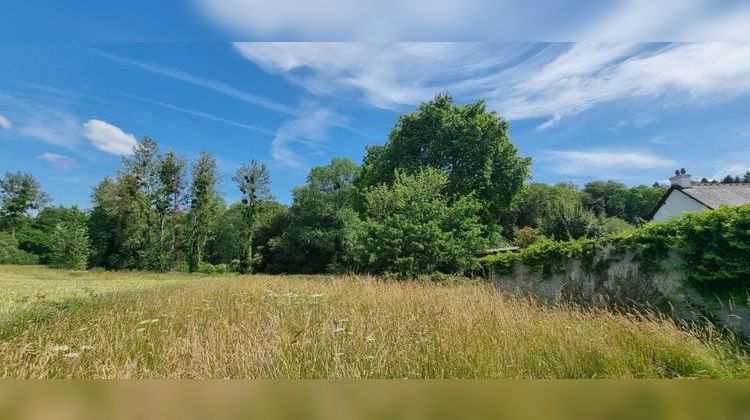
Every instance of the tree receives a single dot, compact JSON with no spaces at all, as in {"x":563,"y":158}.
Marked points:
{"x":19,"y":194}
{"x":104,"y":224}
{"x":727,"y":180}
{"x":313,"y":240}
{"x":746,"y":177}
{"x":172,"y":198}
{"x":142,"y":188}
{"x":38,"y":236}
{"x":537,"y":201}
{"x":466,"y":142}
{"x":70,"y":245}
{"x":254,"y":182}
{"x":639,"y":201}
{"x":202,"y":207}
{"x":410,"y":228}
{"x":605,"y":198}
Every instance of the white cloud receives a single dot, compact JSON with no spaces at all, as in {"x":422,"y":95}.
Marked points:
{"x":602,"y":163}
{"x":520,"y":81}
{"x":308,"y":131}
{"x":530,"y":20}
{"x":58,"y":160}
{"x":5,"y":122}
{"x":109,"y":138}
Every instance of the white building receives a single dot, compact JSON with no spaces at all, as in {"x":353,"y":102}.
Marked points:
{"x":685,"y":195}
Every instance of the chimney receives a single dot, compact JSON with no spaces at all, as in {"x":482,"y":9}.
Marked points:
{"x":681,"y":179}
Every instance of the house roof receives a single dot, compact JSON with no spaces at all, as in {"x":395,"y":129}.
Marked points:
{"x":710,"y":195}
{"x":714,"y":195}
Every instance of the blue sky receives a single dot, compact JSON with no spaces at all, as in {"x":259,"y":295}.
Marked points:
{"x":627,"y":111}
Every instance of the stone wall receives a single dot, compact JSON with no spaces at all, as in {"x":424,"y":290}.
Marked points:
{"x":623,"y":283}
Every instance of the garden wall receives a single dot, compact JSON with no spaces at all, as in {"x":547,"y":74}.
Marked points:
{"x":610,"y":276}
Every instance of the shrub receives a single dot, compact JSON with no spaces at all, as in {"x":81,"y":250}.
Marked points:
{"x":526,"y":236}
{"x":70,"y":245}
{"x":411,"y":228}
{"x":10,"y":254}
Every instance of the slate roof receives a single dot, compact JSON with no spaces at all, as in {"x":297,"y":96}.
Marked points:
{"x":714,"y":195}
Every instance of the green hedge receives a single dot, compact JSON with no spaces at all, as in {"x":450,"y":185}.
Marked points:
{"x":715,"y":246}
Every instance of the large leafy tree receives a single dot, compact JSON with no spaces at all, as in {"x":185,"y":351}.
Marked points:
{"x":537,"y":201}
{"x":171,"y":200}
{"x":20,"y":193}
{"x":203,"y":207}
{"x":410,"y":228}
{"x":104,"y":224}
{"x":38,"y":236}
{"x":253,"y":181}
{"x":468,"y":143}
{"x":321,"y":208}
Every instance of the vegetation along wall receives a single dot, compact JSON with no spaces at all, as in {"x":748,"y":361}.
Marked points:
{"x":693,"y":267}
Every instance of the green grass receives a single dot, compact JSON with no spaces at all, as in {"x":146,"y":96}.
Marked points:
{"x":337,"y":327}
{"x":25,"y":286}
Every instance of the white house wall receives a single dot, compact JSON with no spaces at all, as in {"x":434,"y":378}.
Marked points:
{"x":676,"y":204}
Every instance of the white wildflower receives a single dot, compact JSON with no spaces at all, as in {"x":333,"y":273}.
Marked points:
{"x":72,"y":355}
{"x":61,"y":347}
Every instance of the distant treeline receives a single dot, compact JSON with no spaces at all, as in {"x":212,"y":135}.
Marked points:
{"x":448,"y":182}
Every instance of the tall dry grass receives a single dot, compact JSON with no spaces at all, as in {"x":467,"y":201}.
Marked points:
{"x":352,"y":327}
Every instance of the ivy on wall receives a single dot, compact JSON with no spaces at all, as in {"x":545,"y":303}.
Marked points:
{"x":714,"y":245}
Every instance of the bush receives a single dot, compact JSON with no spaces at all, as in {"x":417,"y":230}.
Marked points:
{"x":410,"y":228}
{"x":208,"y":268}
{"x":526,"y":236}
{"x":70,"y":245}
{"x":10,"y":254}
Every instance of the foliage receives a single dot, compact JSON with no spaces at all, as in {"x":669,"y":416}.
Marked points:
{"x":11,"y":254}
{"x":715,"y":246}
{"x":614,"y":199}
{"x":254,"y":182}
{"x":410,"y":228}
{"x":526,"y":236}
{"x":565,"y":222}
{"x":203,"y":207}
{"x":70,"y":245}
{"x":37,"y":237}
{"x":537,"y":201}
{"x":466,"y":142}
{"x":322,"y":207}
{"x":19,"y":194}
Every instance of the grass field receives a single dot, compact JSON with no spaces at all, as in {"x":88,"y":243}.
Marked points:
{"x":177,"y":326}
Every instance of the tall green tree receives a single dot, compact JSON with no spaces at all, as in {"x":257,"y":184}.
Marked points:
{"x":104,"y":224}
{"x":205,"y":179}
{"x":313,"y":240}
{"x":538,"y":200}
{"x":38,"y":236}
{"x":142,"y":183}
{"x":70,"y":245}
{"x":171,"y":200}
{"x":605,"y":198}
{"x":20,"y":193}
{"x":254,"y":182}
{"x":468,"y":143}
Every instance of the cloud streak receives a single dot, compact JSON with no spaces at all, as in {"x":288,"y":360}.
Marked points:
{"x":5,"y":122}
{"x":602,"y":163}
{"x":307,"y":132}
{"x":59,"y":161}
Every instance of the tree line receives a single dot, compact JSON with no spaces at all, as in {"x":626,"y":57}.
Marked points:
{"x":447,"y":183}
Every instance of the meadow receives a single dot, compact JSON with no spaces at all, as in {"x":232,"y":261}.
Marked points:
{"x":60,"y":324}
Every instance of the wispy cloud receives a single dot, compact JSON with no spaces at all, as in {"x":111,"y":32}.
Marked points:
{"x":602,"y":163}
{"x":534,"y":20}
{"x":109,"y":138}
{"x":307,"y":132}
{"x":37,"y":121}
{"x":201,"y":114}
{"x":60,"y":161}
{"x":5,"y":122}
{"x":214,"y":85}
{"x":520,"y":81}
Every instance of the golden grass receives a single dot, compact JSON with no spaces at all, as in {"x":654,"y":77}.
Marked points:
{"x":351,"y":327}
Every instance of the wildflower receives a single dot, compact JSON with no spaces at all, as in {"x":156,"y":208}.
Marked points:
{"x":317,"y":295}
{"x":148,"y":321}
{"x":72,"y":355}
{"x":61,"y":347}
{"x":338,"y":330}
